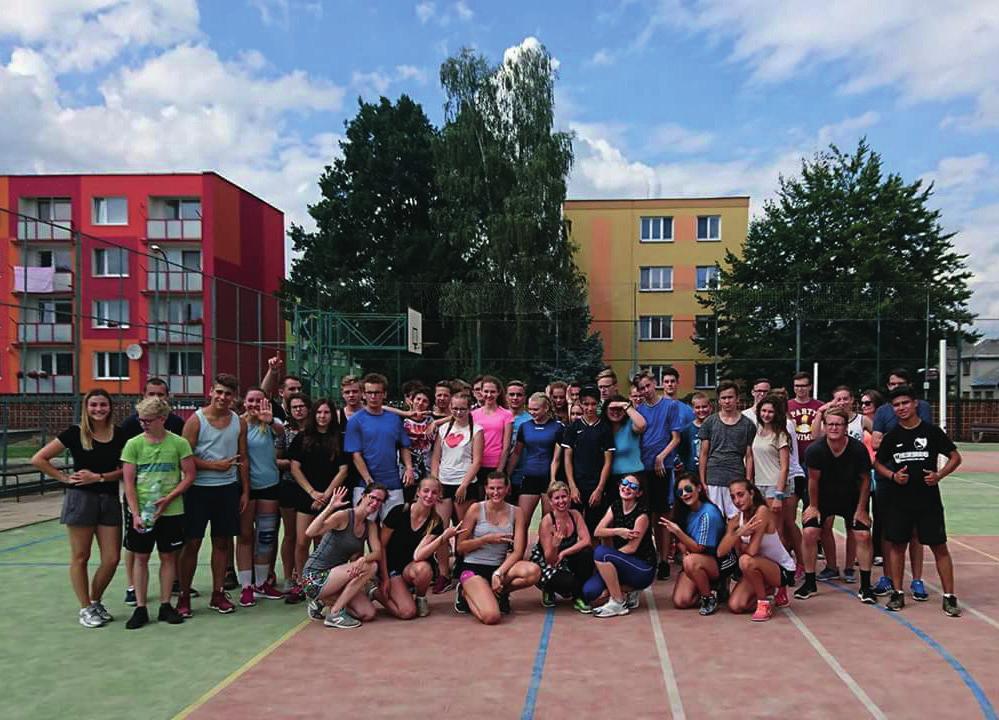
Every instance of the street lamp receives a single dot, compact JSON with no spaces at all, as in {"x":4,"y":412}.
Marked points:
{"x":156,"y":301}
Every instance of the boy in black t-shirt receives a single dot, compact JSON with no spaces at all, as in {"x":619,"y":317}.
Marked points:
{"x":589,"y":448}
{"x":907,"y":459}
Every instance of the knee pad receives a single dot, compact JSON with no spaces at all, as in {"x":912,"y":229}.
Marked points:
{"x":267,"y":530}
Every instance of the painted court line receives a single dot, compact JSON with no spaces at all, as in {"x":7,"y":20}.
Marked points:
{"x":239,"y":672}
{"x":527,"y":713}
{"x":832,"y":662}
{"x":12,"y":548}
{"x":988,"y":712}
{"x":669,"y":677}
{"x":976,"y":482}
{"x":967,"y":608}
{"x":974,"y":549}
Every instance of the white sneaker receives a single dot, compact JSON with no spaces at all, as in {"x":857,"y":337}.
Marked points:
{"x":314,"y":610}
{"x":631,"y":600}
{"x":343,"y":620}
{"x":422,"y":606}
{"x":89,"y":617}
{"x":611,"y":608}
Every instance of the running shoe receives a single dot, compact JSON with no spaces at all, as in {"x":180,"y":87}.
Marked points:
{"x":175,"y":590}
{"x":422,"y":606}
{"x":168,"y":615}
{"x":460,"y":604}
{"x":294,"y":595}
{"x":102,"y":612}
{"x":820,"y":553}
{"x":611,"y":608}
{"x":764,"y":611}
{"x":867,"y":596}
{"x":220,"y":601}
{"x":503,"y":600}
{"x":829,"y":573}
{"x":918,"y":590}
{"x":267,"y":591}
{"x":184,"y":606}
{"x":805,"y":591}
{"x":709,"y":604}
{"x":89,"y":618}
{"x":884,"y":586}
{"x":130,"y":596}
{"x":314,"y":610}
{"x":547,"y":599}
{"x":897,"y":601}
{"x":246,"y":597}
{"x":140,"y":616}
{"x":632,"y":599}
{"x":950,"y":606}
{"x":878,"y":561}
{"x":780,"y":597}
{"x":342,"y":620}
{"x":442,"y":584}
{"x":580,"y":606}
{"x":849,"y":575}
{"x":663,"y":573}
{"x":231,"y":582}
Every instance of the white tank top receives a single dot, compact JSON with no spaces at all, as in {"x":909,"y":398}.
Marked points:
{"x":855,"y":428}
{"x":771,"y":548}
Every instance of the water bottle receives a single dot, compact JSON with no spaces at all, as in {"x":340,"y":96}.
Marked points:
{"x":148,"y":515}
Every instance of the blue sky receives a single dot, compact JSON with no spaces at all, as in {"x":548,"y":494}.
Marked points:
{"x":666,"y":98}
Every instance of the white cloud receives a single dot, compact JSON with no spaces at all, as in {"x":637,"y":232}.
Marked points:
{"x":673,"y":138}
{"x":959,"y":172}
{"x":847,"y":130}
{"x":462,"y":10}
{"x":603,"y":56}
{"x":272,"y":12}
{"x":411,"y":72}
{"x":370,"y":83}
{"x":425,"y":10}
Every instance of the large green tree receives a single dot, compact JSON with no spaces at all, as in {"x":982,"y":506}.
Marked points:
{"x":842,"y":267}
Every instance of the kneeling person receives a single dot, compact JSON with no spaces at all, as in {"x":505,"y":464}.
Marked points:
{"x":158,"y":466}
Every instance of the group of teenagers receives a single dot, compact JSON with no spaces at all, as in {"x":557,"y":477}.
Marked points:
{"x":370,"y":505}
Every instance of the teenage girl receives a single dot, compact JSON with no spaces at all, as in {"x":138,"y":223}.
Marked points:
{"x":497,"y":427}
{"x":563,"y":551}
{"x":538,"y":441}
{"x":298,"y":408}
{"x":628,"y":426}
{"x":771,"y":452}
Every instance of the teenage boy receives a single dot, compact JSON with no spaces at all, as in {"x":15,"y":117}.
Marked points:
{"x":671,"y":385}
{"x":157,"y":467}
{"x":130,"y":426}
{"x":516,"y":400}
{"x":606,"y":384}
{"x":759,"y":390}
{"x":690,"y":443}
{"x":589,"y":451}
{"x":802,"y":409}
{"x":726,"y":448}
{"x":885,"y":420}
{"x":377,"y":440}
{"x":442,"y":399}
{"x":907,"y":463}
{"x":572,"y":392}
{"x":839,"y":483}
{"x":658,"y":446}
{"x":286,"y":386}
{"x":220,"y":493}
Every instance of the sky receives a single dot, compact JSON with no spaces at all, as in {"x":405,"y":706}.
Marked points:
{"x":666,"y":98}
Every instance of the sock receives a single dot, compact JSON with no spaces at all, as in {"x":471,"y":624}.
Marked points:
{"x":810,"y":579}
{"x":260,"y":573}
{"x":949,"y":595}
{"x":245,"y":578}
{"x":865,"y":579}
{"x":165,"y":605}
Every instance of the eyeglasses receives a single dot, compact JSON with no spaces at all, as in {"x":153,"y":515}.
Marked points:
{"x":631,"y":484}
{"x":866,"y":402}
{"x":686,"y":489}
{"x":149,"y":421}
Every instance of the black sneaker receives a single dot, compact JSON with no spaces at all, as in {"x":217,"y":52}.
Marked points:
{"x":867,"y":596}
{"x":663,"y":573}
{"x":140,"y":616}
{"x":503,"y":600}
{"x":169,"y":615}
{"x":805,"y":591}
{"x":230,"y":582}
{"x":130,"y":596}
{"x":950,"y":606}
{"x":709,"y":604}
{"x":460,"y":605}
{"x":722,"y":591}
{"x":897,"y":601}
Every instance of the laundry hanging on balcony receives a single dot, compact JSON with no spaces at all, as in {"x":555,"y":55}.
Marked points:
{"x":34,"y":279}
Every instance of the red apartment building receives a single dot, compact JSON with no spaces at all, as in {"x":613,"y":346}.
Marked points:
{"x":109,"y":279}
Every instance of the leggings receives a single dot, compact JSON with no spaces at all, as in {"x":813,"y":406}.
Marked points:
{"x":631,"y":571}
{"x":568,"y":581}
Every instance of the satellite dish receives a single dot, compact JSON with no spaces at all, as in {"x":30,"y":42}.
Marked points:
{"x":134,"y":352}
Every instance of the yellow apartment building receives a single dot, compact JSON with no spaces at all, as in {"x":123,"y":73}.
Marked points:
{"x":645,"y":261}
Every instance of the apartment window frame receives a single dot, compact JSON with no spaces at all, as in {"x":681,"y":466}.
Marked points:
{"x":709,"y":272}
{"x":103,"y":317}
{"x":663,"y":237}
{"x":103,"y":369}
{"x":707,"y":323}
{"x":647,"y":324}
{"x":54,"y":357}
{"x":646,"y":274}
{"x":105,"y":203}
{"x":705,"y":376}
{"x":708,"y":222}
{"x":50,"y":312}
{"x":101,"y":267}
{"x":179,"y":363}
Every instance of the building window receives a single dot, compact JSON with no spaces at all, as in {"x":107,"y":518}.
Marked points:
{"x":655,"y":327}
{"x":110,"y":366}
{"x":655,"y":279}
{"x":50,"y":312}
{"x":966,"y":368}
{"x":185,"y":363}
{"x":656,"y":371}
{"x":53,"y":218}
{"x":56,"y":363}
{"x":177,"y":260}
{"x":110,"y":211}
{"x":705,"y":375}
{"x":175,"y":208}
{"x":707,"y":277}
{"x":709,"y":227}
{"x":110,"y":313}
{"x":704,"y":326}
{"x":110,"y":262}
{"x":657,"y":229}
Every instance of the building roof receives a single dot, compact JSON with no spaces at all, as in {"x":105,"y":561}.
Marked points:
{"x":651,"y":203}
{"x":987,"y":348}
{"x":986,"y":380}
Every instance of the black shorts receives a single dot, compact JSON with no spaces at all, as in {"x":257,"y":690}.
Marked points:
{"x":845,"y":509}
{"x":287,"y":494}
{"x":800,"y":488}
{"x":86,"y":508}
{"x":592,"y":514}
{"x":483,"y":571}
{"x":483,"y":475}
{"x":215,"y":504}
{"x":535,"y":484}
{"x":472,"y":494}
{"x":268,"y":493}
{"x":167,"y":535}
{"x":659,"y":491}
{"x":904,"y":514}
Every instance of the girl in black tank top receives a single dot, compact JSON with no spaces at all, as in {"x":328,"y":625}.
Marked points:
{"x":563,"y":551}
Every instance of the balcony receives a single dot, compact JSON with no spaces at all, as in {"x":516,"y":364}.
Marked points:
{"x":173,"y":281}
{"x":43,"y":230}
{"x":28,"y":332}
{"x":175,"y":332}
{"x":41,"y":383}
{"x":41,"y":280}
{"x":173,"y":229}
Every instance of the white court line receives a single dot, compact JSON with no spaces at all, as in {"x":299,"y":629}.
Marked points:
{"x":973,"y":549}
{"x":672,"y":689}
{"x":969,"y":480}
{"x":832,"y":662}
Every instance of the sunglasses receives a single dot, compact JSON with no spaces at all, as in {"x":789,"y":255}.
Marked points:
{"x":631,"y":484}
{"x":686,"y":489}
{"x":866,"y":402}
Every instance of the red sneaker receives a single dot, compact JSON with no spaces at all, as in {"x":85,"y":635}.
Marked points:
{"x":780,"y":597}
{"x":764,"y":611}
{"x":442,"y":584}
{"x":246,"y":597}
{"x":294,"y":596}
{"x":184,"y":605}
{"x":267,"y":591}
{"x":220,"y":601}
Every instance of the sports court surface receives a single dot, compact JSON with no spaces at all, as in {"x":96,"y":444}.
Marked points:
{"x":826,"y":657}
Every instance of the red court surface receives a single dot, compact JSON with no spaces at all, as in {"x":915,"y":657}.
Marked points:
{"x":829,"y":656}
